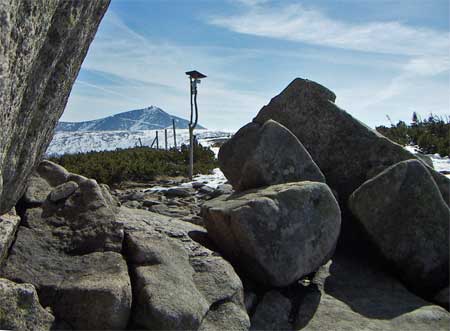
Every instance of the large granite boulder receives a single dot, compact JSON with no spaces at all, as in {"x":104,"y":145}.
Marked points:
{"x":20,"y":308}
{"x":351,"y":293}
{"x":406,"y":218}
{"x":347,"y":151}
{"x":69,"y":249}
{"x":276,"y":234}
{"x":42,"y":46}
{"x":178,"y":283}
{"x":263,"y":155}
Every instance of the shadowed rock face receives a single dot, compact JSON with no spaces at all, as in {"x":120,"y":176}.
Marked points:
{"x":42,"y":46}
{"x":351,"y":293}
{"x":404,"y":215}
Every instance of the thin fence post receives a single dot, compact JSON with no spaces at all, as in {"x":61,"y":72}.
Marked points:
{"x":174,"y":134}
{"x":165,"y":138}
{"x":157,"y":140}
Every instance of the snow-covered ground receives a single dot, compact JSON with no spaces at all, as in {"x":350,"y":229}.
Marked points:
{"x":440,"y":163}
{"x":212,"y":180}
{"x":81,"y":142}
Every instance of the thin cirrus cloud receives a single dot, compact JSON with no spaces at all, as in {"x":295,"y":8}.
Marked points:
{"x":427,"y":47}
{"x":422,"y":53}
{"x":296,"y":23}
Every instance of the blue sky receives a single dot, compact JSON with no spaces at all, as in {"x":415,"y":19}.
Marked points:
{"x":379,"y":57}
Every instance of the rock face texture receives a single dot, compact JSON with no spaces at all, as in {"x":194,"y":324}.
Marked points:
{"x":178,"y":284}
{"x":8,"y":227}
{"x":42,"y":46}
{"x":263,"y":155}
{"x":70,"y":251}
{"x":276,"y":234}
{"x":347,"y":151}
{"x":20,"y":308}
{"x":405,"y":216}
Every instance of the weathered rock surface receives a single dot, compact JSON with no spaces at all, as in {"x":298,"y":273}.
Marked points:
{"x":63,"y":191}
{"x":8,"y":226}
{"x":20,"y":308}
{"x":350,"y":294}
{"x":178,"y":284}
{"x":276,"y":234}
{"x":405,"y":216}
{"x":42,"y":46}
{"x":272,"y":313}
{"x":267,"y":154}
{"x":70,"y":251}
{"x":347,"y":151}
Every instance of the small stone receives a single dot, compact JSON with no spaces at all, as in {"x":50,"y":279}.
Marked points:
{"x":197,"y":185}
{"x":63,"y":191}
{"x":150,"y":203}
{"x":178,"y":192}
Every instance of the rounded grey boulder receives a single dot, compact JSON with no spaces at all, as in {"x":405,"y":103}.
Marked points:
{"x":263,"y":155}
{"x":276,"y":234}
{"x":405,"y":216}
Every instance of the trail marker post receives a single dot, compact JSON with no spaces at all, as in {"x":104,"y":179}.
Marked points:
{"x":174,"y":134}
{"x":165,"y":139}
{"x":194,"y":79}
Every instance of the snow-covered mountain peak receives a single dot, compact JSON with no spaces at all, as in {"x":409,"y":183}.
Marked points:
{"x":149,"y":118}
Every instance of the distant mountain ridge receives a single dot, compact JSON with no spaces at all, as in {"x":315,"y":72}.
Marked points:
{"x":150,"y":118}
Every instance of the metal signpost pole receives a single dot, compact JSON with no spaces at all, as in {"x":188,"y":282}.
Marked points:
{"x":194,"y":79}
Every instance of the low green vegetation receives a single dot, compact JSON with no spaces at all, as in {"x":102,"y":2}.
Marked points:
{"x":138,"y":164}
{"x":432,"y":134}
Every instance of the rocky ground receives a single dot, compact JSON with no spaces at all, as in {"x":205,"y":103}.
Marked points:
{"x":176,"y":197}
{"x":284,"y":242}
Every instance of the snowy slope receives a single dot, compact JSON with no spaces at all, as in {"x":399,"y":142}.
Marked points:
{"x":80,"y":142}
{"x":151,"y":118}
{"x":441,"y":164}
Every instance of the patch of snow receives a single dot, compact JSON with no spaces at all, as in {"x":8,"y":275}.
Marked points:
{"x":213,"y":180}
{"x":412,"y":149}
{"x":441,"y":164}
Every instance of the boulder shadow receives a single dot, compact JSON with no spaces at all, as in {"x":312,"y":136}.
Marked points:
{"x":305,"y":306}
{"x":363,"y":285}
